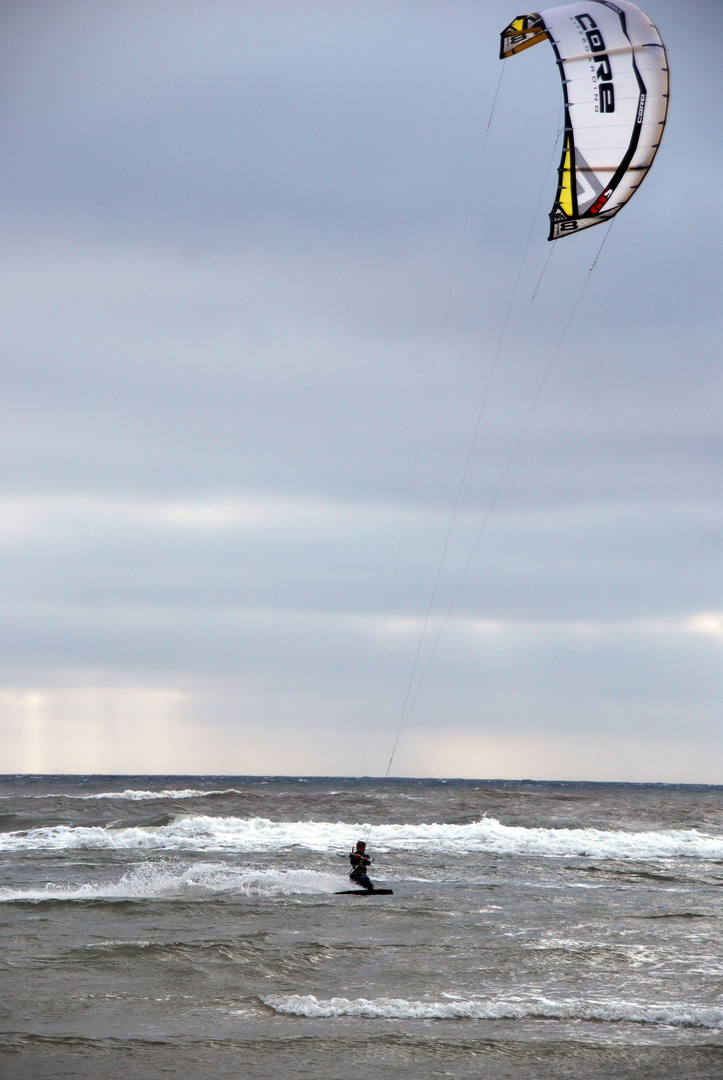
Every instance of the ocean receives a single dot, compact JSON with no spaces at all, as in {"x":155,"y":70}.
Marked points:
{"x":188,"y":927}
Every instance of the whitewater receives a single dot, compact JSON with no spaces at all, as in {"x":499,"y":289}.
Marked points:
{"x":203,"y":833}
{"x":190,"y":927}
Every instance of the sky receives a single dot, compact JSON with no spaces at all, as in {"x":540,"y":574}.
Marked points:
{"x":259,"y":261}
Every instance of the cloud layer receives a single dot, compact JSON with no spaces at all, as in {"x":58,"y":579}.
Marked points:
{"x":259,"y":284}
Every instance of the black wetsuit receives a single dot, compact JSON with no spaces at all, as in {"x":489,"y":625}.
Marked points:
{"x":358,"y":875}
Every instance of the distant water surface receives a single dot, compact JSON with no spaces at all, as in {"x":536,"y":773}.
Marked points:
{"x":188,"y":926}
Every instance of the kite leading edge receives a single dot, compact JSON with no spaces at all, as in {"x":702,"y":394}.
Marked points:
{"x":614,"y":72}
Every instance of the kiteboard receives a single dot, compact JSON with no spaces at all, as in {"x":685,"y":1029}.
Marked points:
{"x":365,"y":892}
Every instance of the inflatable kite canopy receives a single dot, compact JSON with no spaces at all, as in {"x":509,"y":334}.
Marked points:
{"x":614,"y":72}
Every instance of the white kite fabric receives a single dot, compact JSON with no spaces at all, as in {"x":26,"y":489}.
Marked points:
{"x":614,"y":72}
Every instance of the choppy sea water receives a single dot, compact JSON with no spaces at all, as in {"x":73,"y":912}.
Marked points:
{"x":188,"y":926}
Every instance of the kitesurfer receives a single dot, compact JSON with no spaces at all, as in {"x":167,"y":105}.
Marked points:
{"x":359,"y":861}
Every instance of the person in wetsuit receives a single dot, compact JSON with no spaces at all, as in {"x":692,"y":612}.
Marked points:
{"x":359,"y":861}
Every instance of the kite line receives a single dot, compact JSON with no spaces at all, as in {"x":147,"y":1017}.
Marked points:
{"x":404,"y":717}
{"x":443,"y":323}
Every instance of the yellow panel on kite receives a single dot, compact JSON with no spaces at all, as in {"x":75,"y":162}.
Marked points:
{"x":565,"y":196}
{"x":522,"y":33}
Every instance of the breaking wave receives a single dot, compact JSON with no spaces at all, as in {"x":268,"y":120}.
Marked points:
{"x":141,"y":795}
{"x":199,"y":882}
{"x":203,"y":833}
{"x":514,"y":1008}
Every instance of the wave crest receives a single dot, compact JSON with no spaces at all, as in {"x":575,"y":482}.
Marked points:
{"x":514,"y":1008}
{"x":203,"y":833}
{"x":143,"y":795}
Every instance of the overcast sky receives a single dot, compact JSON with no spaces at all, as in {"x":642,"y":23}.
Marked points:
{"x":242,"y":244}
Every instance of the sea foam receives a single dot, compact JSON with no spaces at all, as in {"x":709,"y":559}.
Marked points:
{"x":204,"y":833}
{"x":511,"y":1008}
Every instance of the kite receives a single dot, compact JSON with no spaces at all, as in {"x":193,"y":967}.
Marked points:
{"x":614,"y":72}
